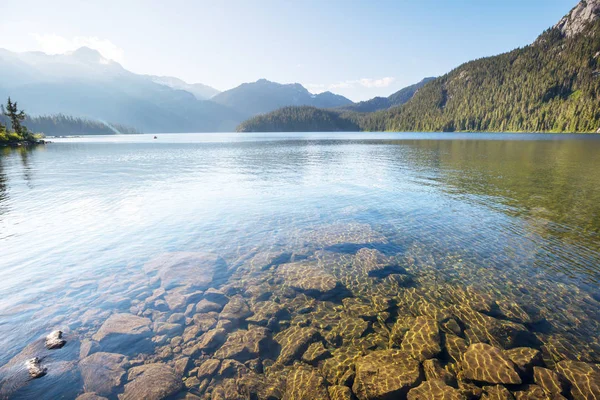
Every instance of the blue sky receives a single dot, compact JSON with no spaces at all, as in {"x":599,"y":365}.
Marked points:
{"x":359,"y":49}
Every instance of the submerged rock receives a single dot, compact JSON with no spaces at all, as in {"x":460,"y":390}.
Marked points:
{"x":305,"y":383}
{"x":123,"y":327}
{"x":90,"y":396}
{"x":191,"y":270}
{"x":485,"y":363}
{"x":422,"y":341}
{"x":550,"y":381}
{"x":435,"y":390}
{"x":244,"y":345}
{"x":102,"y":373}
{"x":294,"y":341}
{"x":584,"y":378}
{"x":375,"y":264}
{"x":307,"y":277}
{"x":54,"y":340}
{"x":316,"y":352}
{"x":338,"y":392}
{"x":385,"y":374}
{"x":497,"y":392}
{"x":151,"y":382}
{"x":525,"y":359}
{"x":236,"y":309}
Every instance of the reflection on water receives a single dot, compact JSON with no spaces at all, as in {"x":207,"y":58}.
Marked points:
{"x":301,"y":266}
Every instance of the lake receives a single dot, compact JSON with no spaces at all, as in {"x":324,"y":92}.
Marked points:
{"x":299,"y":265}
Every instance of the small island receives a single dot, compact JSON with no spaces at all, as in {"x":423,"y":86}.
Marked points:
{"x":16,"y":134}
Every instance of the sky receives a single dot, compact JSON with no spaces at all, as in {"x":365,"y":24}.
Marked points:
{"x":359,"y":49}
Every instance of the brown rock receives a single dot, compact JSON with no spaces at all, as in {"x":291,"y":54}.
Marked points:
{"x":305,"y":383}
{"x":307,"y":277}
{"x":525,"y":358}
{"x":316,"y":352}
{"x":497,"y":392}
{"x":531,"y":392}
{"x":151,"y":382}
{"x":208,"y":368}
{"x":484,"y":363}
{"x":455,"y":346}
{"x":422,"y":341}
{"x":338,"y":392}
{"x":205,"y":306}
{"x":548,"y":380}
{"x":385,"y":374}
{"x":434,"y":371}
{"x":243,"y":345}
{"x":212,"y":339}
{"x":236,"y":310}
{"x":102,"y":373}
{"x":294,"y":341}
{"x":584,"y":378}
{"x":435,"y":390}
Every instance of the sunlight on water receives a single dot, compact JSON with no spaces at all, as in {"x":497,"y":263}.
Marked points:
{"x":324,"y":252}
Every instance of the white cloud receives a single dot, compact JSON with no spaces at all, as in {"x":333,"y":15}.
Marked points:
{"x":377,"y":83}
{"x":55,"y":44}
{"x":352,"y":84}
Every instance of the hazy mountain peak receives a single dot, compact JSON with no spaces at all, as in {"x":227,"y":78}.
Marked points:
{"x":575,"y":22}
{"x":87,"y":54}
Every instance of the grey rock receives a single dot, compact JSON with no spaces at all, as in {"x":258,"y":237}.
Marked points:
{"x":151,"y":382}
{"x":54,"y":340}
{"x":102,"y":373}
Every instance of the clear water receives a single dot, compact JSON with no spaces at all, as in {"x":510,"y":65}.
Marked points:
{"x":513,"y":217}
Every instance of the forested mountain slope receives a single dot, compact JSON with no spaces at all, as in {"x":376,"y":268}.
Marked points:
{"x":299,"y":119}
{"x":552,"y":85}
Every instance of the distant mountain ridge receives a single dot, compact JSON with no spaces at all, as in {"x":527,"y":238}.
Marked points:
{"x":201,"y":91}
{"x":381,"y":103}
{"x":264,"y":96}
{"x":83,"y":84}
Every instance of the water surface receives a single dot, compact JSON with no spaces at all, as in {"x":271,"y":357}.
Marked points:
{"x":448,"y":222}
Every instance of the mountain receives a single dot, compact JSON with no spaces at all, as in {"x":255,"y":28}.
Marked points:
{"x":552,"y":85}
{"x":85,"y":84}
{"x":264,"y":96}
{"x":381,"y":103}
{"x":201,"y":91}
{"x":298,"y":119}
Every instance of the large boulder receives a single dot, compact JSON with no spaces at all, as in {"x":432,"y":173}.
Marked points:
{"x":385,"y":374}
{"x":305,"y":383}
{"x":422,"y":341}
{"x":151,"y":382}
{"x":192,"y":270}
{"x":102,"y":372}
{"x":584,"y":378}
{"x":485,"y":363}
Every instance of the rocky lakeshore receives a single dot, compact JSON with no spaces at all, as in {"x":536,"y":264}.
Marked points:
{"x":333,"y":314}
